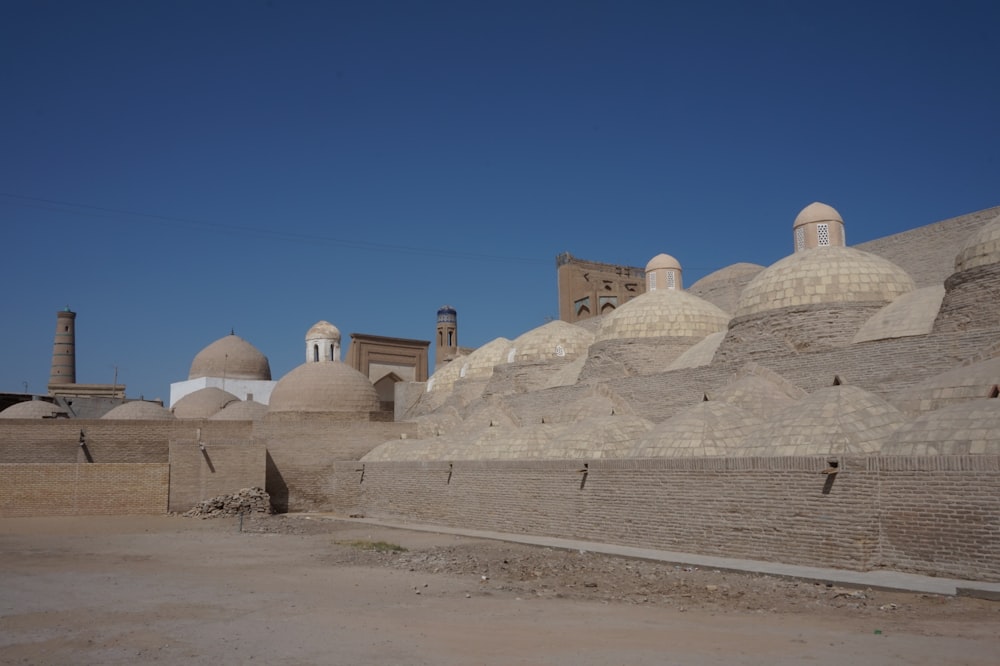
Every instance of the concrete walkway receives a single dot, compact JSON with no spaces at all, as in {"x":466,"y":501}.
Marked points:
{"x":877,"y":580}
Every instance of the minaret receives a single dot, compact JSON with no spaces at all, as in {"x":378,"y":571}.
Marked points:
{"x":447,"y":336}
{"x":818,"y":225}
{"x":64,"y":349}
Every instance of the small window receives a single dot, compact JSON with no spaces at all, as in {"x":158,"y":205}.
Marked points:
{"x":451,"y":338}
{"x":671,"y":280}
{"x":800,"y":239}
{"x":652,"y":280}
{"x":823,"y":235}
{"x":315,"y":353}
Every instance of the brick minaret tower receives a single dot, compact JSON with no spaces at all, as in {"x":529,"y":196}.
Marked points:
{"x":64,"y":349}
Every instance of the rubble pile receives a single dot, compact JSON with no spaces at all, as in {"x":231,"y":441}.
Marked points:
{"x":245,"y":501}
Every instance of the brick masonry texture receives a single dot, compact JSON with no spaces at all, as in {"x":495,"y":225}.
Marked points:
{"x":222,"y":467}
{"x":937,"y":515}
{"x":61,"y":489}
{"x":928,"y":253}
{"x":972,"y":299}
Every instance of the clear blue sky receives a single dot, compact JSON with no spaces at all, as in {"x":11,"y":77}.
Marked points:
{"x":174,"y":170}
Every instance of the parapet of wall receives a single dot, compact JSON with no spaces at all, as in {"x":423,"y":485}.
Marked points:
{"x":60,"y":489}
{"x":201,"y":470}
{"x":58,"y":441}
{"x":928,"y":253}
{"x":936,"y":515}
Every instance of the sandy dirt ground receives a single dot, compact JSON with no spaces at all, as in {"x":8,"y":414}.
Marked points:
{"x":310,"y":590}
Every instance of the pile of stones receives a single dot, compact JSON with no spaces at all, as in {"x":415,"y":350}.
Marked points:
{"x":245,"y":501}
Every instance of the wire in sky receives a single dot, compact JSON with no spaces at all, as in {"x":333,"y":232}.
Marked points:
{"x":54,"y":205}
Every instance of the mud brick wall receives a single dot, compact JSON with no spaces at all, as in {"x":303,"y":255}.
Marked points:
{"x":874,"y":513}
{"x":940,"y":514}
{"x":70,"y":489}
{"x":302,"y":449}
{"x":58,"y":441}
{"x":221,"y":468}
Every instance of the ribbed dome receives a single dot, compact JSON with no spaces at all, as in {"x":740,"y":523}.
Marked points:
{"x":323,"y":330}
{"x":244,"y":410}
{"x":32,"y":409}
{"x":707,"y":429}
{"x":981,"y":249}
{"x":824,"y":275}
{"x":231,"y":357}
{"x":203,"y":403}
{"x":662,"y":261}
{"x":555,"y":340}
{"x":817,"y":212}
{"x":139,"y":410}
{"x":324,"y":388}
{"x":970,"y":427}
{"x":839,"y":420}
{"x":663,"y":313}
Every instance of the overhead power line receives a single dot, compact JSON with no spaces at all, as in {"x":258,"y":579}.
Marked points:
{"x":107,"y":213}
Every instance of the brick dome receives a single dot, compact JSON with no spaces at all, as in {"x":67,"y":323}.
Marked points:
{"x":838,"y":420}
{"x":707,"y":429}
{"x":202,"y":403}
{"x":324,"y":388}
{"x":662,"y":261}
{"x":244,"y":410}
{"x":824,"y":275}
{"x":139,"y":410}
{"x":965,"y":428}
{"x":981,"y":249}
{"x":231,"y":357}
{"x":33,"y":409}
{"x":817,"y":212}
{"x":555,"y":340}
{"x":663,"y":313}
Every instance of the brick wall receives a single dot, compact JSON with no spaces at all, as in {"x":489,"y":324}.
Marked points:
{"x":931,"y":515}
{"x":928,"y":253}
{"x":222,"y":467}
{"x":302,"y":449}
{"x":971,"y":300}
{"x":70,"y":489}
